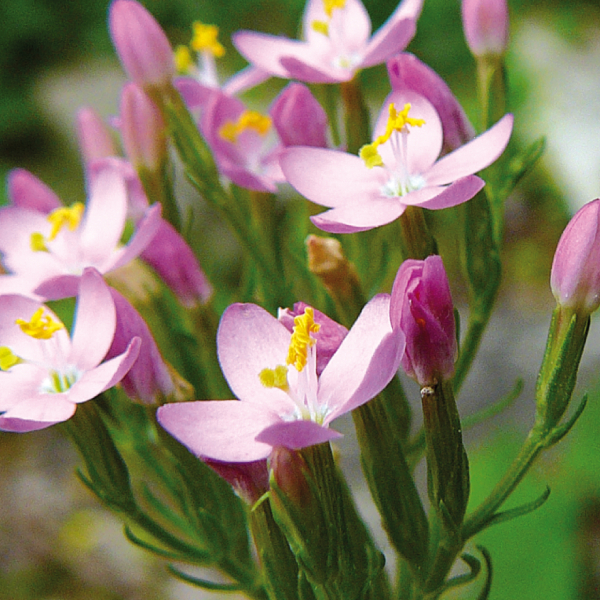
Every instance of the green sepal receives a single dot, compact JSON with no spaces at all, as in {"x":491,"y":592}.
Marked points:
{"x":203,"y":583}
{"x":559,"y":432}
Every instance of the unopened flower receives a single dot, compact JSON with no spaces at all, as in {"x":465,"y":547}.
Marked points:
{"x":397,"y":170}
{"x":421,"y":306}
{"x":485,"y":23}
{"x":44,"y":372}
{"x":575,"y":275}
{"x":337,"y":42}
{"x":282,"y":401}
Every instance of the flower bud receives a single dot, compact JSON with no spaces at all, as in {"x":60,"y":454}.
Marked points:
{"x":143,"y":129}
{"x":249,"y":480}
{"x":142,"y":46}
{"x":485,"y":23}
{"x":95,"y":139}
{"x":25,"y":190}
{"x":299,"y":119}
{"x":575,"y":275}
{"x":421,"y":306}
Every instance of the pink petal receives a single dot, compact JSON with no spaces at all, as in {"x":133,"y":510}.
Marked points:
{"x":25,"y":190}
{"x":249,"y":340}
{"x":57,"y":288}
{"x":104,"y":217}
{"x":360,"y":217}
{"x":104,"y":376}
{"x":224,"y":430}
{"x":37,"y":413}
{"x":389,"y":40}
{"x":21,"y":382}
{"x":330,"y":177}
{"x":195,"y":94}
{"x":315,"y":68}
{"x":95,"y":321}
{"x":296,"y":434}
{"x":460,"y":191}
{"x":359,"y":369}
{"x":473,"y":156}
{"x":244,"y":80}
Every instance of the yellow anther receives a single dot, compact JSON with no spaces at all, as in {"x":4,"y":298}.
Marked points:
{"x":370,"y":155}
{"x":8,"y":359}
{"x":330,"y":5}
{"x":68,"y":215}
{"x":183,"y":59}
{"x":38,"y":242}
{"x":399,"y":120}
{"x":274,"y":378}
{"x":320,"y":27}
{"x":205,"y":39}
{"x":40,"y":326}
{"x":249,"y":119}
{"x":304,"y":325}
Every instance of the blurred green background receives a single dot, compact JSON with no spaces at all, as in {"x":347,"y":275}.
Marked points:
{"x":56,"y":542}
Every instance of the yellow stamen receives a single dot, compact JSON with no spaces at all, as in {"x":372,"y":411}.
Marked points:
{"x":304,"y":325}
{"x":38,"y":242}
{"x":68,"y":215}
{"x":249,"y":119}
{"x":205,"y":39}
{"x":40,"y":326}
{"x":397,"y":121}
{"x":8,"y":359}
{"x":320,"y":27}
{"x":183,"y":59}
{"x":330,"y":5}
{"x":274,"y":378}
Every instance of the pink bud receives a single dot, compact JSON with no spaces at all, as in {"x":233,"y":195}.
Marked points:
{"x":575,"y":276}
{"x":299,"y":119}
{"x":407,"y":72}
{"x":95,"y":139}
{"x":421,"y":307}
{"x":25,"y":190}
{"x":485,"y":23}
{"x":143,"y":129}
{"x":250,"y":479}
{"x":141,"y":44}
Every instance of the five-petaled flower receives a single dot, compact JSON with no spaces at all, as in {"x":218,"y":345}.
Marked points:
{"x":397,"y":170}
{"x":337,"y":44}
{"x":44,"y":372}
{"x":282,"y":401}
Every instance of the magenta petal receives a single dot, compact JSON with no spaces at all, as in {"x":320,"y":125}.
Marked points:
{"x":330,"y":177}
{"x":25,"y":190}
{"x":37,"y":413}
{"x":460,"y":191}
{"x":249,"y":340}
{"x":95,"y":322}
{"x":296,"y":434}
{"x":314,"y":69}
{"x":352,"y":373}
{"x":194,"y":94}
{"x":57,"y":288}
{"x":224,"y":430}
{"x":360,"y":217}
{"x":473,"y":156}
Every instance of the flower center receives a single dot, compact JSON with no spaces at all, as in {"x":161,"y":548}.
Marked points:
{"x":206,"y":44}
{"x":66,"y":216}
{"x":329,"y":6}
{"x":40,"y":326}
{"x":248,"y":120}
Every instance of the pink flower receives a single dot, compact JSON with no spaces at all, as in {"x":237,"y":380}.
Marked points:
{"x":485,"y":23}
{"x":421,"y":306}
{"x":337,"y":43}
{"x":142,"y":46}
{"x":53,"y":248}
{"x":575,"y":275}
{"x":44,"y":372}
{"x":282,"y":401}
{"x":94,"y":136}
{"x":244,"y":144}
{"x":397,"y":170}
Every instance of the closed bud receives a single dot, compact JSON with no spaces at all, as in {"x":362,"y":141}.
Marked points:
{"x":95,"y":139}
{"x":485,"y":23}
{"x":421,"y":306}
{"x":575,"y":276}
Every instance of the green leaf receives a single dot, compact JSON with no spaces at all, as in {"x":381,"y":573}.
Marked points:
{"x":203,"y":583}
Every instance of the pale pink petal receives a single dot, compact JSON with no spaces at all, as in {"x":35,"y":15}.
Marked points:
{"x":353,"y":23}
{"x":57,"y":288}
{"x":473,"y":156}
{"x":361,"y":216}
{"x":460,"y":191}
{"x":16,"y":226}
{"x":223,"y":430}
{"x":316,"y":68}
{"x":95,"y":321}
{"x":244,"y":80}
{"x":37,"y":413}
{"x":104,"y":217}
{"x":330,"y":177}
{"x":297,"y":434}
{"x":244,"y":178}
{"x":389,"y":40}
{"x":357,"y":371}
{"x":194,"y":94}
{"x":249,"y":340}
{"x":104,"y":376}
{"x":25,"y":190}
{"x":20,"y":382}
